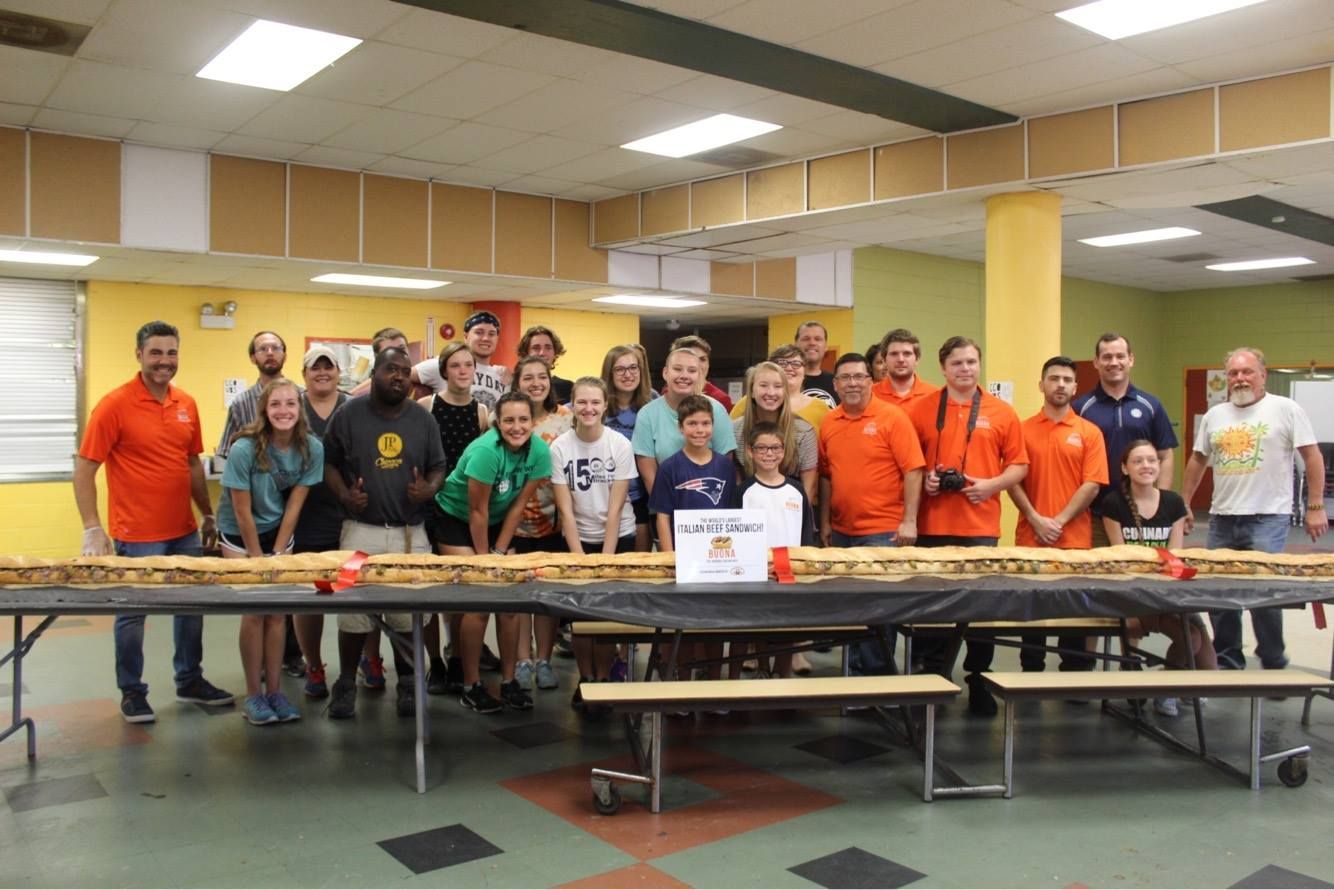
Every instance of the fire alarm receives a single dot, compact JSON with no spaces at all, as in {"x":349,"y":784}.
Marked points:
{"x":447,"y":331}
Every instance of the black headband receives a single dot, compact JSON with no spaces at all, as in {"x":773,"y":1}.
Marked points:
{"x":482,"y":317}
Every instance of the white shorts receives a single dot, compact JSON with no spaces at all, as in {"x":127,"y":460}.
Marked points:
{"x":376,"y":539}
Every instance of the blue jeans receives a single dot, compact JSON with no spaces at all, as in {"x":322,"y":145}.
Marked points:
{"x":1267,"y":532}
{"x":866,"y":658}
{"x":187,"y":630}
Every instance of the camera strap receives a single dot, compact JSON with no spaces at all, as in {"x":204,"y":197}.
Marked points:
{"x":972,"y":422}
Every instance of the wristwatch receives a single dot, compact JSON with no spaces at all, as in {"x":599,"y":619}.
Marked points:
{"x":1310,"y":507}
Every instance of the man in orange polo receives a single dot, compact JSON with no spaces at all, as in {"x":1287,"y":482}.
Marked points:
{"x":901,"y":386}
{"x":1067,"y":465}
{"x":870,"y":477}
{"x":974,"y":449}
{"x":147,"y":433}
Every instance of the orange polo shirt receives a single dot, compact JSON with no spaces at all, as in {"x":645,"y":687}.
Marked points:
{"x":1062,"y":455}
{"x":884,"y":390}
{"x":997,"y":442}
{"x":146,"y":446}
{"x":864,"y":458}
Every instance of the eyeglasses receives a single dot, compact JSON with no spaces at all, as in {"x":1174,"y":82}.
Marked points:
{"x":625,"y":370}
{"x":789,"y":363}
{"x":852,"y":378}
{"x":766,"y":449}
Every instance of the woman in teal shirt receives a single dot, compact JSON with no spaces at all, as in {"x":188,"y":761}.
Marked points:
{"x":483,"y":499}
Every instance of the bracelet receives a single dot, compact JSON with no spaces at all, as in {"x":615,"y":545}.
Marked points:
{"x":496,"y":551}
{"x":1315,"y":507}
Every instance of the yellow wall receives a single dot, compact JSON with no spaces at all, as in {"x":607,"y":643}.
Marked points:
{"x":586,"y":336}
{"x":838,"y":322}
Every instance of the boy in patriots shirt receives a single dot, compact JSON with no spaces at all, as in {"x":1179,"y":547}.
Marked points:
{"x":694,"y":478}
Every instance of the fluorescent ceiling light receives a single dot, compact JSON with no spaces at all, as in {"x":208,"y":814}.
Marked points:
{"x":689,"y":139}
{"x":378,"y":281}
{"x":1115,"y":19}
{"x":1142,"y":237}
{"x":649,"y":301}
{"x":276,"y":56}
{"x":1248,"y":265}
{"x":39,"y":258}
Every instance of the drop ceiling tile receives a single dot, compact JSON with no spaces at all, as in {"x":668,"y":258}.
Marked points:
{"x":720,"y":256}
{"x":385,"y":131}
{"x":635,"y":75}
{"x":534,"y":52}
{"x":1294,"y":52}
{"x":210,"y":104}
{"x":323,"y":156}
{"x":439,"y":33}
{"x":1085,"y":67}
{"x":416,"y":169}
{"x":591,"y":193}
{"x":1148,"y":83}
{"x":557,"y":105}
{"x":788,"y":23}
{"x":94,"y":88}
{"x":536,"y":154}
{"x":1232,"y":31}
{"x":911,"y":28}
{"x":256,"y":147}
{"x":82,"y":12}
{"x":378,"y":73}
{"x":601,"y":164}
{"x":769,"y":243}
{"x":472,"y":89}
{"x":716,"y":93}
{"x":785,"y":110}
{"x":27,"y":78}
{"x":363,"y":19}
{"x":465,"y":175}
{"x":304,"y":119}
{"x":464,"y":144}
{"x":82,"y":124}
{"x":171,"y":136}
{"x":863,"y":129}
{"x":643,"y":117}
{"x":793,"y":142}
{"x":660,"y":174}
{"x":542,"y":185}
{"x":16,"y":115}
{"x":167,"y":36}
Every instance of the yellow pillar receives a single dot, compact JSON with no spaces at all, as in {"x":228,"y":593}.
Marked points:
{"x":1023,"y":301}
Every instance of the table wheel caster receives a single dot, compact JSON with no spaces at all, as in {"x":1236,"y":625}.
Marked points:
{"x":1292,"y":772}
{"x":606,"y":797}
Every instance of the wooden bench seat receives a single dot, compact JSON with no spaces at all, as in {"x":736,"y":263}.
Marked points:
{"x":654,"y":698}
{"x":1011,"y":687}
{"x":618,"y":632}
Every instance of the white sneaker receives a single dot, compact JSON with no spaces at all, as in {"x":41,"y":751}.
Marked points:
{"x":1166,"y":706}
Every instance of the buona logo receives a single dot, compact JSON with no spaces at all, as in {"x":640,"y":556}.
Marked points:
{"x":721,"y":547}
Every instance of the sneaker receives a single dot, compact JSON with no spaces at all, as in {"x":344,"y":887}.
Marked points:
{"x":523,"y":674}
{"x":454,"y":675}
{"x":437,"y":678}
{"x":564,"y":648}
{"x":577,"y":700}
{"x":620,"y":671}
{"x":135,"y":709}
{"x":344,"y":702}
{"x":480,"y":700}
{"x":488,"y":661}
{"x":1166,"y":706}
{"x":546,"y":677}
{"x":294,"y":666}
{"x":371,"y":672}
{"x":980,"y":700}
{"x":407,"y":699}
{"x":515,"y":696}
{"x":282,"y":708}
{"x":316,"y":684}
{"x":257,"y":710}
{"x":202,"y":692}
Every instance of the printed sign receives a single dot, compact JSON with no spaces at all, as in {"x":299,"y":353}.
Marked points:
{"x":720,"y":546}
{"x":1215,"y":387}
{"x":231,"y":388}
{"x":1003,"y":390}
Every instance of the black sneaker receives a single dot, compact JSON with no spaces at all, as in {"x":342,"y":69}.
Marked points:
{"x":343,"y":703}
{"x":437,"y":678}
{"x":488,"y":661}
{"x":135,"y":709}
{"x":480,"y":700}
{"x":980,"y":700}
{"x":294,"y":666}
{"x":515,"y":696}
{"x":407,"y":698}
{"x":454,"y":675}
{"x":577,"y":700}
{"x":202,"y":692}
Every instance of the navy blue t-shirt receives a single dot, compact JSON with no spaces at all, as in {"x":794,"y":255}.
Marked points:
{"x":1137,"y":415}
{"x":682,"y":484}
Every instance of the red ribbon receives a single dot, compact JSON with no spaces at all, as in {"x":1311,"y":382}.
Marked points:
{"x":347,"y":575}
{"x":1318,"y":610}
{"x":1173,"y":566}
{"x":783,"y":566}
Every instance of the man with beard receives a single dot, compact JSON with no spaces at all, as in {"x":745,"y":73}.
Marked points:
{"x":812,"y":339}
{"x":147,"y":434}
{"x":481,"y":332}
{"x":1250,"y":440}
{"x":268,"y":352}
{"x":383,"y":461}
{"x":901,"y":386}
{"x":1067,"y":465}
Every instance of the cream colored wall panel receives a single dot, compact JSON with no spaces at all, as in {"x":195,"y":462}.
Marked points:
{"x":1165,"y":128}
{"x":717,"y":202}
{"x":247,"y":206}
{"x":775,"y":191}
{"x":393,"y":220}
{"x":985,"y":157}
{"x":460,"y":227}
{"x":165,"y":199}
{"x":1274,"y":110}
{"x":74,"y":188}
{"x":1072,"y":143}
{"x":665,"y":210}
{"x":916,"y":167}
{"x":13,"y":181}
{"x":575,"y":259}
{"x":523,"y":235}
{"x":325,"y":218}
{"x":839,"y":180}
{"x":616,"y":219}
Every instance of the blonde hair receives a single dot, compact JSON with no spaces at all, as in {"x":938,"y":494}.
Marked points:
{"x":785,"y":421}
{"x":261,"y":428}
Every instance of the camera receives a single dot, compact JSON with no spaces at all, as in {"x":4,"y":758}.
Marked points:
{"x":951,"y":479}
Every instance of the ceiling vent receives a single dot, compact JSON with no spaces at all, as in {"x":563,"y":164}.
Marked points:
{"x":1328,"y":276}
{"x":1189,"y":257}
{"x":736,"y":156}
{"x":43,"y":35}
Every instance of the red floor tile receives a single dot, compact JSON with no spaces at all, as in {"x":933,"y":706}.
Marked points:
{"x":641,"y":875}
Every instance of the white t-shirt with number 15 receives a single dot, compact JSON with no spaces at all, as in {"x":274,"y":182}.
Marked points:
{"x":589,"y":469}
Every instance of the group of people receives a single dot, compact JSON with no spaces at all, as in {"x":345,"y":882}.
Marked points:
{"x":500,"y":459}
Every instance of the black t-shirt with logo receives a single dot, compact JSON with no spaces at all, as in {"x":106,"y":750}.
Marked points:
{"x":383,"y":451}
{"x":1153,"y":531}
{"x":821,"y":386}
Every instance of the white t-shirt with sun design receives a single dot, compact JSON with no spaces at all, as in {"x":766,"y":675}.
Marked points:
{"x":1251,"y":450}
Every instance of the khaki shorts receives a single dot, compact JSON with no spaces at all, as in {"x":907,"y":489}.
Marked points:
{"x":375,"y":539}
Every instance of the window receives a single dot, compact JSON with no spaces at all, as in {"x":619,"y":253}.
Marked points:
{"x":39,"y":401}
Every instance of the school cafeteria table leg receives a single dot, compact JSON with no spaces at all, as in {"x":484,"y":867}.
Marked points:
{"x":21,"y":647}
{"x":1255,"y":743}
{"x":1009,"y":749}
{"x":655,"y":761}
{"x":929,"y":754}
{"x":419,"y":691}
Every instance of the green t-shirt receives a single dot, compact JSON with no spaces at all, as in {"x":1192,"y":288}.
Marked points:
{"x":268,"y":488}
{"x":488,"y":460}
